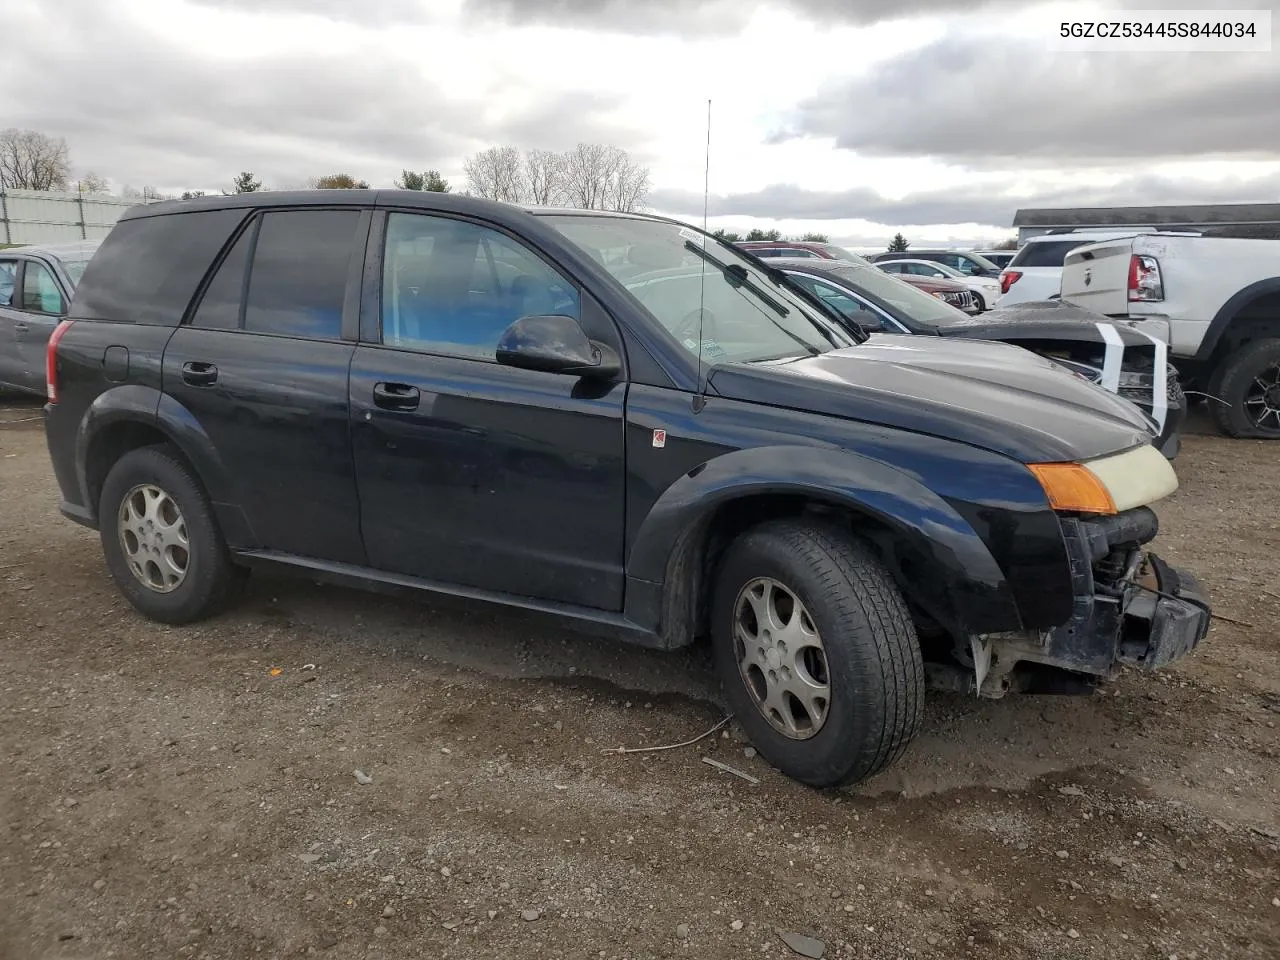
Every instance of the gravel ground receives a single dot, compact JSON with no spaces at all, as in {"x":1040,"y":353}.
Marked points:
{"x":192,"y":792}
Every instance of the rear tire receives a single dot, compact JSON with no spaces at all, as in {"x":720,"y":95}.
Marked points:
{"x":160,"y":539}
{"x":858,"y":638}
{"x":1248,"y":381}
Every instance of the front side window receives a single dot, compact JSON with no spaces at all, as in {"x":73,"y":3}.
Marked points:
{"x":40,"y":293}
{"x":299,"y":276}
{"x":8,"y":270}
{"x":714,"y":302}
{"x":453,"y":287}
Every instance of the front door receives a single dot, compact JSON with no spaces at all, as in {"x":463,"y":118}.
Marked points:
{"x":471,"y":473}
{"x":262,"y":369}
{"x":43,"y":306}
{"x":10,"y":317}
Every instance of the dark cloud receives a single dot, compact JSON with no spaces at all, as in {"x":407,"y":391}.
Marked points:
{"x":720,"y":17}
{"x":960,"y":205}
{"x":985,"y":101}
{"x":138,"y":108}
{"x":370,"y":12}
{"x":727,"y":17}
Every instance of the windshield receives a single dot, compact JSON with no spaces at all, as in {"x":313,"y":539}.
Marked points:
{"x":688,"y":281}
{"x":914,"y":306}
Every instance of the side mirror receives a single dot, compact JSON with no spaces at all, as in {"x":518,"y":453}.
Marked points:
{"x":556,"y":344}
{"x":868,"y":321}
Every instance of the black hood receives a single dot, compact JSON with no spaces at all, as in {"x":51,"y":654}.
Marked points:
{"x":1042,"y":320}
{"x":992,"y":395}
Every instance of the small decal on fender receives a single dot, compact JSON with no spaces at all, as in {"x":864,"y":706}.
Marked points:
{"x":659,"y":438}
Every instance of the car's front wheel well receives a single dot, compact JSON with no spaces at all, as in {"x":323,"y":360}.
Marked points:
{"x":111,"y":443}
{"x":695,"y":560}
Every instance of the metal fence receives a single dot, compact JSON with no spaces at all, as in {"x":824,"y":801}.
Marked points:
{"x":39,"y":216}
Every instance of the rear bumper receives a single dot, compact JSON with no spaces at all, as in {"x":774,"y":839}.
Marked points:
{"x":1130,"y":608}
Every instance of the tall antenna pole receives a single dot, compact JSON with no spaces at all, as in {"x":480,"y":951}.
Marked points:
{"x":698,"y":400}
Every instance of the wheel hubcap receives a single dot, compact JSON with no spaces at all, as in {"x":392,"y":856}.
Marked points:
{"x":153,"y":535}
{"x":1262,"y":399}
{"x":781,"y":658}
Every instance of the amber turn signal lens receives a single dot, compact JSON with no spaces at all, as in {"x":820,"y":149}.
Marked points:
{"x":1071,"y":486}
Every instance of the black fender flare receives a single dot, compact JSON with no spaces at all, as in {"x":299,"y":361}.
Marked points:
{"x":938,"y":559}
{"x":1229,"y":311}
{"x":147,"y":406}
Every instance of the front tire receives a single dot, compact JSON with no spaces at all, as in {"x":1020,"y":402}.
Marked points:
{"x":1248,"y":383}
{"x":816,"y":652}
{"x":160,"y":539}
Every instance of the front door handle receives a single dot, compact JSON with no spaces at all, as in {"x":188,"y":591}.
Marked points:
{"x":395,"y":396}
{"x":199,"y":374}
{"x":21,"y":327}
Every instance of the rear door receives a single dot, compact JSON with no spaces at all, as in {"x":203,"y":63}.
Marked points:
{"x":1096,"y":276}
{"x":261,"y":366}
{"x":44,"y":304}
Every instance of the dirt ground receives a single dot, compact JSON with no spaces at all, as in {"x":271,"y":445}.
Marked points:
{"x":166,"y":793}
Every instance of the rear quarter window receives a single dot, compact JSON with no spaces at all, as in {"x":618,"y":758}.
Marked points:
{"x":1050,"y":253}
{"x":148,"y":268}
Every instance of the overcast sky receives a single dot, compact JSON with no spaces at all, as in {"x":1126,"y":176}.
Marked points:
{"x":858,"y":118}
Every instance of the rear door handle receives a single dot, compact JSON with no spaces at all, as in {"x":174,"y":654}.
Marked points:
{"x":199,"y":374}
{"x":395,"y":396}
{"x":21,"y":327}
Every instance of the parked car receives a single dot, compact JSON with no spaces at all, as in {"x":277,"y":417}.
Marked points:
{"x":36,"y":283}
{"x":986,"y":291}
{"x":1214,"y":300}
{"x":1000,"y":258}
{"x":618,"y":420}
{"x":1075,"y":338}
{"x":796,"y":248}
{"x":951,"y":292}
{"x":1035,"y":273}
{"x":970,"y":264}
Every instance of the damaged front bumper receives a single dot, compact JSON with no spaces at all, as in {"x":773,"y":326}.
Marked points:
{"x":1130,"y":608}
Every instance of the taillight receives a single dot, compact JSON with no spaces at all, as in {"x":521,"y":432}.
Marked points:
{"x":1144,"y":279}
{"x":51,"y":360}
{"x":1008,"y":278}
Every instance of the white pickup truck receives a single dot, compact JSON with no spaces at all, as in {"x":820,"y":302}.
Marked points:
{"x":1215,"y":301}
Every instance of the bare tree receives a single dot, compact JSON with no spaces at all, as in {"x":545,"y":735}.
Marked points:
{"x":544,"y":176}
{"x":29,"y":160}
{"x":496,"y":174}
{"x":598,"y":176}
{"x":588,"y":172}
{"x":629,"y":189}
{"x":91,"y":183}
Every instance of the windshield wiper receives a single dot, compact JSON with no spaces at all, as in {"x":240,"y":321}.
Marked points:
{"x":782,"y":279}
{"x":737,"y":277}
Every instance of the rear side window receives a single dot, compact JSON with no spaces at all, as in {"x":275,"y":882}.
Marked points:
{"x":299,"y":278}
{"x":220,"y":307}
{"x":148,"y":268}
{"x":1050,"y":253}
{"x":8,"y":269}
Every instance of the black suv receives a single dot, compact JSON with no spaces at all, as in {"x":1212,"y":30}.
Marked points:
{"x":619,"y":420}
